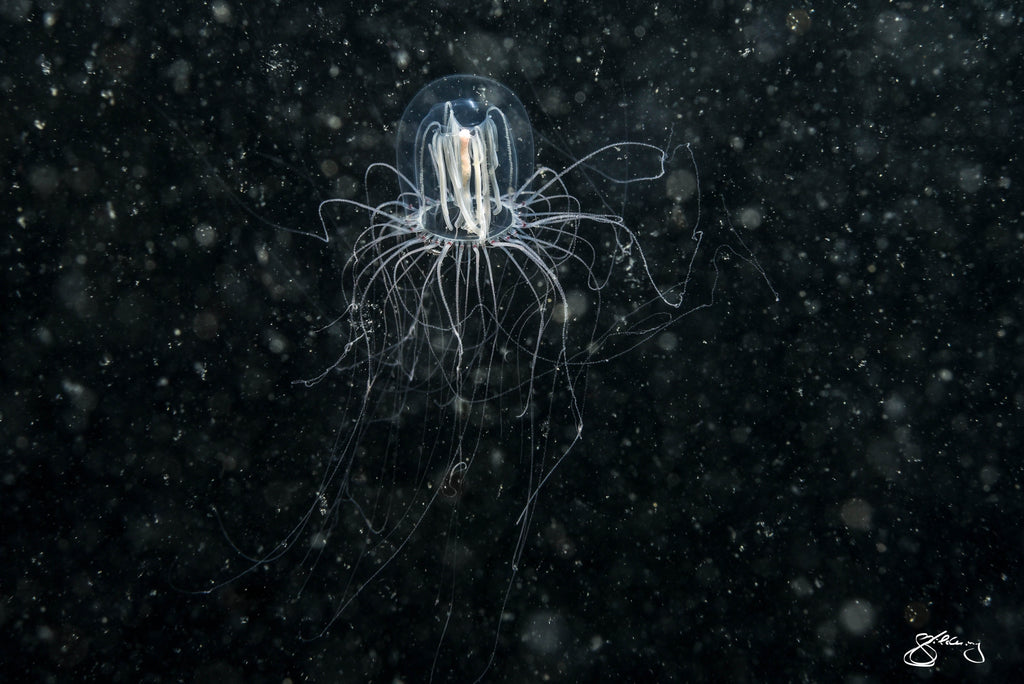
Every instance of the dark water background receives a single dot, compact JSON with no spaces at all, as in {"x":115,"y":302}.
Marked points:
{"x":791,"y":494}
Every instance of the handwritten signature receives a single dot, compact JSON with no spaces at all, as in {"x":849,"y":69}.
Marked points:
{"x":924,"y":655}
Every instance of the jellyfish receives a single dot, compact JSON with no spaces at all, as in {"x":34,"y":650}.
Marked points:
{"x":473,"y":304}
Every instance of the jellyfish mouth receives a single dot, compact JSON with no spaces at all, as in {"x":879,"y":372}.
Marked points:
{"x":450,"y":226}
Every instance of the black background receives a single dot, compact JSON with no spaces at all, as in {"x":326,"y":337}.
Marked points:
{"x":793,"y":493}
